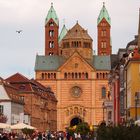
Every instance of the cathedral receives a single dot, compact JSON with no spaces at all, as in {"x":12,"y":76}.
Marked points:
{"x":77,"y":76}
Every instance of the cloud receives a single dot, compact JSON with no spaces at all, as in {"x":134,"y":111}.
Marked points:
{"x":17,"y":51}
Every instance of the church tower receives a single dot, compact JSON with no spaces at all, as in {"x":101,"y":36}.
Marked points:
{"x":104,"y":39}
{"x":51,"y":32}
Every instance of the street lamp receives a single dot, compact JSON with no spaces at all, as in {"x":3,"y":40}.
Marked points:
{"x":136,"y":103}
{"x":103,"y":110}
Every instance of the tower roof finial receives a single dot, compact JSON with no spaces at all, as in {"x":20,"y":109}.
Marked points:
{"x":51,"y":4}
{"x":103,"y":3}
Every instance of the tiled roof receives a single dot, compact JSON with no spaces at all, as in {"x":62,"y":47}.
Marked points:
{"x":104,"y":14}
{"x":24,"y":85}
{"x":52,"y":62}
{"x":52,"y":15}
{"x":17,"y":78}
{"x":114,"y":60}
{"x":101,"y":62}
{"x":12,"y":92}
{"x":77,"y":32}
{"x":63,"y":33}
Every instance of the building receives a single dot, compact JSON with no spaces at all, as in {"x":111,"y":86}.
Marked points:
{"x":116,"y":82}
{"x":125,"y":82}
{"x":132,"y":78}
{"x":77,"y":77}
{"x":40,"y":102}
{"x":11,"y":103}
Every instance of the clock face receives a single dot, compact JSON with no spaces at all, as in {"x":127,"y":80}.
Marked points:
{"x":76,"y":91}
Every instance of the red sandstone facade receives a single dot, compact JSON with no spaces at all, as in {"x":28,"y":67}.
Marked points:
{"x":40,"y":102}
{"x":104,"y":40}
{"x":51,"y":38}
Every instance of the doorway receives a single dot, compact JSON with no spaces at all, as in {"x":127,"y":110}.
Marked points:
{"x":75,"y":121}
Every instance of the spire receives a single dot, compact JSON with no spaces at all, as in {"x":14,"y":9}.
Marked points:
{"x":63,"y":33}
{"x":52,"y":15}
{"x":139,"y":30}
{"x":104,"y":14}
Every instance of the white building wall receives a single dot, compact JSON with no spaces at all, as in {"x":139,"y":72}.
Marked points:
{"x":3,"y":94}
{"x":17,"y":113}
{"x":7,"y":110}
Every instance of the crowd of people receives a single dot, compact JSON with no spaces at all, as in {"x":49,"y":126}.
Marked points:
{"x":43,"y":136}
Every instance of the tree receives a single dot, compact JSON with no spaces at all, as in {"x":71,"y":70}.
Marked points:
{"x":3,"y":118}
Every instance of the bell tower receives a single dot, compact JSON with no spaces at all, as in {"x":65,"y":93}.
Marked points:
{"x":51,"y":32}
{"x":104,"y":39}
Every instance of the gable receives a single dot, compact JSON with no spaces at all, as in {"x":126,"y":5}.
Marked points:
{"x":3,"y":93}
{"x":76,"y":63}
{"x":17,"y":78}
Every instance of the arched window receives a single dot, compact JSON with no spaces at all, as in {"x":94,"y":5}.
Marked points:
{"x":69,"y":75}
{"x":75,"y":75}
{"x":79,"y":75}
{"x":43,"y":77}
{"x":51,"y":24}
{"x":49,"y":76}
{"x":51,"y":33}
{"x":54,"y":75}
{"x":86,"y":75}
{"x":103,"y":92}
{"x":103,"y":75}
{"x":83,"y":75}
{"x":97,"y":76}
{"x":65,"y":75}
{"x":72,"y":75}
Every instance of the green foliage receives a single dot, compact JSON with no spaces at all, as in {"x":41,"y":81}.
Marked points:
{"x":28,"y":131}
{"x":119,"y":132}
{"x":83,"y":128}
{"x":3,"y":118}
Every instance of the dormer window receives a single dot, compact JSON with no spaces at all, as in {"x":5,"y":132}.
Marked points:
{"x":22,"y":87}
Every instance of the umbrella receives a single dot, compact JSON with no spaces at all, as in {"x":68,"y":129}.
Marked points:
{"x":22,"y":126}
{"x":137,"y":122}
{"x":4,"y":125}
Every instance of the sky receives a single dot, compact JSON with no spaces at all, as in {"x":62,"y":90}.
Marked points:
{"x":18,"y":51}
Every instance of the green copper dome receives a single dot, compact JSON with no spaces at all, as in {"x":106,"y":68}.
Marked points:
{"x":104,"y":14}
{"x":52,"y":14}
{"x":63,"y":33}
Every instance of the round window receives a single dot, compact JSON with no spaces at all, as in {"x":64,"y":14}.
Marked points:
{"x":76,"y":91}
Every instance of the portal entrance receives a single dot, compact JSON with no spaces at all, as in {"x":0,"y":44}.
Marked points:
{"x":75,"y":121}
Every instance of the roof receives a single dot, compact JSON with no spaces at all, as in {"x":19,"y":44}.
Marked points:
{"x":63,"y":33}
{"x":114,"y":60}
{"x":77,"y":32}
{"x":101,"y":62}
{"x":104,"y":14}
{"x":52,"y":62}
{"x":12,"y":92}
{"x":52,"y":15}
{"x":24,"y":85}
{"x":131,"y":45}
{"x":17,"y":78}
